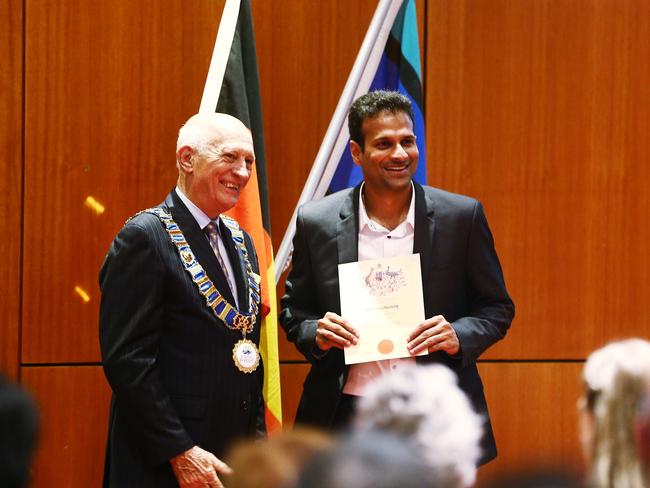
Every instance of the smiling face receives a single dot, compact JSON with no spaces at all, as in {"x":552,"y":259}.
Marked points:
{"x":214,"y":177}
{"x":390,"y":155}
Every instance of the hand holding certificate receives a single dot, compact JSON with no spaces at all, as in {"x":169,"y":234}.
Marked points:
{"x":382,"y":299}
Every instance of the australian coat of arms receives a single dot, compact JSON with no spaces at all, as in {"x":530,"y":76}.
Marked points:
{"x":382,"y":282}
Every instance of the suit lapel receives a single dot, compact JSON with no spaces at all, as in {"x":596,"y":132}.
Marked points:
{"x":425,"y":226}
{"x":347,"y":243}
{"x":347,"y":229}
{"x":199,"y":244}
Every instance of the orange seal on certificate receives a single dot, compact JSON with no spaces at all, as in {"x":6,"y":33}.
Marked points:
{"x":386,"y":346}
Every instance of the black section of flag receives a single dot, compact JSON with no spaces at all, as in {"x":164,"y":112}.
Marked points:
{"x":407,"y":74}
{"x":240,"y":96}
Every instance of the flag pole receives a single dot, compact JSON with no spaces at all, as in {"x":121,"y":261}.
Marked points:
{"x":364,"y":85}
{"x":378,"y":24}
{"x":220,"y":55}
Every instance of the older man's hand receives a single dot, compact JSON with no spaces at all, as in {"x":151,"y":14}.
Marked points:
{"x":198,"y":468}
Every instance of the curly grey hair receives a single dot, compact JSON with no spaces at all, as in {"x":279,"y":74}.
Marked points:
{"x":425,"y":406}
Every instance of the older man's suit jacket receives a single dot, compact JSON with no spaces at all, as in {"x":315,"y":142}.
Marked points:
{"x":167,"y":357}
{"x":461,"y":277}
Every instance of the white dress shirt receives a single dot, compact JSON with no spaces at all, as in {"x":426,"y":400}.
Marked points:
{"x":202,"y":219}
{"x":375,"y":242}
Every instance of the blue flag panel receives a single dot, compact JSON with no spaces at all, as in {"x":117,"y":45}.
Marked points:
{"x":399,"y":69}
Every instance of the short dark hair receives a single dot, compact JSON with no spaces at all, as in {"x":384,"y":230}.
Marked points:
{"x":372,"y":104}
{"x":18,"y":432}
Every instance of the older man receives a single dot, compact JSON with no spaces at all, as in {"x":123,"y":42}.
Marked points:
{"x":466,"y":305}
{"x":179,"y":320}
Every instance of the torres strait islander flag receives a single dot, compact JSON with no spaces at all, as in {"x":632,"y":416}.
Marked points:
{"x":239,"y":96}
{"x":388,"y":59}
{"x":399,"y":69}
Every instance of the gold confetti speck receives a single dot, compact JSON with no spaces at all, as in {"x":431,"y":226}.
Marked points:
{"x":94,"y":205}
{"x":82,"y":294}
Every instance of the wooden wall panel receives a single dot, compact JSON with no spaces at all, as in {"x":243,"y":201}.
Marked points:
{"x":73,"y":404}
{"x":541,"y":110}
{"x":534,"y":413}
{"x":108,"y":84}
{"x":11,"y":167}
{"x":305,"y":54}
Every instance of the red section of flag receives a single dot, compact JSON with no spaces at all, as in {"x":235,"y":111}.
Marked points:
{"x":248,"y":212}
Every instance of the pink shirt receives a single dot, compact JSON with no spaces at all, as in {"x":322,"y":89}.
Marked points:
{"x":375,"y":241}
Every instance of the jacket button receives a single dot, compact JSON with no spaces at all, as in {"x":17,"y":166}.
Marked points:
{"x":244,"y":405}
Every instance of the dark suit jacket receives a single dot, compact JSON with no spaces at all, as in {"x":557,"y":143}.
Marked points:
{"x":461,"y":277}
{"x":166,"y":356}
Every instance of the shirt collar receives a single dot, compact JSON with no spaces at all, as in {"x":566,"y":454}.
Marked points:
{"x":365,"y":222}
{"x":199,"y":215}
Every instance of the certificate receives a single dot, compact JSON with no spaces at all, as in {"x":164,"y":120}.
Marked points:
{"x":382,"y":299}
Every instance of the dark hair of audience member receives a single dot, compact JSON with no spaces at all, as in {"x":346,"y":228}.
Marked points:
{"x":18,"y":432}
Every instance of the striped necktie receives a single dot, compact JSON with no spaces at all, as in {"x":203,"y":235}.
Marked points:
{"x":212,"y":231}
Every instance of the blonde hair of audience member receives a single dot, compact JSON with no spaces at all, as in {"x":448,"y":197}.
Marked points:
{"x":615,"y":378}
{"x":276,"y":462}
{"x":424,"y":406}
{"x":642,"y":431}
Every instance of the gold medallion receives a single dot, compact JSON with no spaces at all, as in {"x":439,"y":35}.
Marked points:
{"x":246,"y":356}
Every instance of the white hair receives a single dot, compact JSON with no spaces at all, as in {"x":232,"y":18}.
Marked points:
{"x":425,"y":406}
{"x":615,"y":378}
{"x":631,"y":356}
{"x":198,"y":133}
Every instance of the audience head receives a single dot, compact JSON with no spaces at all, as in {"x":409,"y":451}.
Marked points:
{"x":615,"y":378}
{"x":275,"y":463}
{"x":18,"y":431}
{"x":424,"y":406}
{"x":642,"y":431}
{"x":368,"y":460}
{"x":548,"y":477}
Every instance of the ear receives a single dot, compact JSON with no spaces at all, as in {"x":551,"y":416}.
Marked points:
{"x":355,"y":151}
{"x":184,"y":159}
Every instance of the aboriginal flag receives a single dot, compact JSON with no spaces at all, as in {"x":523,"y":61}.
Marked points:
{"x":240,"y":97}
